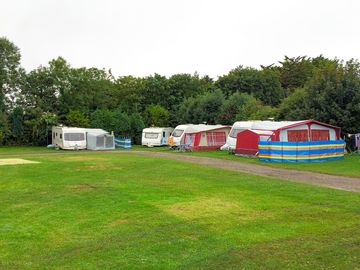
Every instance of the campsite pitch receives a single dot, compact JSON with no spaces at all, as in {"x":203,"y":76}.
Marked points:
{"x":123,"y":211}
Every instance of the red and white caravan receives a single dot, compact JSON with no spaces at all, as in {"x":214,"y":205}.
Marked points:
{"x":244,"y":136}
{"x":199,"y":137}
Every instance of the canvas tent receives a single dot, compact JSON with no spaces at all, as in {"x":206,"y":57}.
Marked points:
{"x":199,"y":137}
{"x":284,"y":131}
{"x":247,"y":141}
{"x":99,"y":139}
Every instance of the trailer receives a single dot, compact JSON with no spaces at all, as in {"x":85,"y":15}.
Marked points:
{"x":199,"y":137}
{"x":69,"y":138}
{"x":156,"y":136}
{"x":284,"y":131}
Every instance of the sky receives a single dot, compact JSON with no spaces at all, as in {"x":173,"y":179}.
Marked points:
{"x":143,"y":37}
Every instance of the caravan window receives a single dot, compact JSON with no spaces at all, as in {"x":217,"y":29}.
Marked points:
{"x":177,"y":132}
{"x":151,"y":135}
{"x":234,"y":132}
{"x":74,"y":137}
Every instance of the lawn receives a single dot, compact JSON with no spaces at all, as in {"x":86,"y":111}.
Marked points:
{"x":350,"y":166}
{"x":15,"y":150}
{"x":121,"y":211}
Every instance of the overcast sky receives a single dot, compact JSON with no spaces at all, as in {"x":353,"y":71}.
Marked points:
{"x":141,"y":37}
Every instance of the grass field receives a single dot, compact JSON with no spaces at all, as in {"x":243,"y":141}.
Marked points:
{"x":350,"y":166}
{"x":120,"y":211}
{"x":14,"y":150}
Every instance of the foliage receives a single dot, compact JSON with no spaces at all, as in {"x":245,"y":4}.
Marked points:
{"x":292,"y":107}
{"x":155,"y":115}
{"x":127,"y":94}
{"x":263,"y":84}
{"x":116,"y":121}
{"x":103,"y":118}
{"x":202,"y":109}
{"x":263,"y":112}
{"x":295,"y":72}
{"x":242,"y":107}
{"x":237,"y":107}
{"x":39,"y":128}
{"x":76,"y":118}
{"x":11,"y":74}
{"x":335,"y":95}
{"x":136,"y":127}
{"x":16,"y":121}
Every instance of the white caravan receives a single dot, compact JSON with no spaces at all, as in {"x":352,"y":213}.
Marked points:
{"x":69,"y":138}
{"x":178,"y":135}
{"x":236,"y":128}
{"x":155,"y":136}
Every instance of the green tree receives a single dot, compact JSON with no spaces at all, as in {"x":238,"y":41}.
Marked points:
{"x":122,"y":126}
{"x":262,"y":84}
{"x":127,"y":94}
{"x":76,"y":118}
{"x":334,"y":95}
{"x":40,"y":91}
{"x":185,"y":86}
{"x":237,"y":105}
{"x":293,"y":106}
{"x":295,"y":72}
{"x":4,"y":127}
{"x":156,"y":91}
{"x":263,"y":112}
{"x":137,"y":125}
{"x":103,"y":118}
{"x":11,"y":73}
{"x":16,"y":121}
{"x":155,"y":115}
{"x":203,"y":108}
{"x":38,"y":129}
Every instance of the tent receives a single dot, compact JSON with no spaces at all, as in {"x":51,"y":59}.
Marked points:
{"x":284,"y":131}
{"x":247,"y":141}
{"x":99,"y":139}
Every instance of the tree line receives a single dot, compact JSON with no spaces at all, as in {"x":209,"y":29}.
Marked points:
{"x":295,"y":88}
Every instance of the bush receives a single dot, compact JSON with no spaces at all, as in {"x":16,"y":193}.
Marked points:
{"x":77,"y":119}
{"x":155,"y":115}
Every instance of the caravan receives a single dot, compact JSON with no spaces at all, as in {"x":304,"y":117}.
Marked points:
{"x":155,"y":136}
{"x":306,"y":130}
{"x":237,"y":127}
{"x":178,"y":135}
{"x":69,"y":138}
{"x":199,"y":137}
